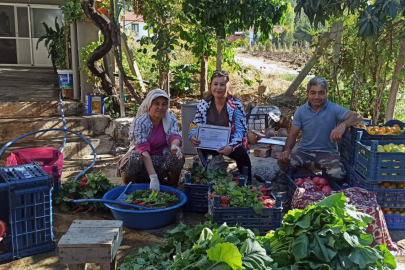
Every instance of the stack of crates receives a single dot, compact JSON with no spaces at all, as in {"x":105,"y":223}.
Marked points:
{"x":380,"y":172}
{"x":258,"y":118}
{"x":26,"y":208}
{"x":197,"y":194}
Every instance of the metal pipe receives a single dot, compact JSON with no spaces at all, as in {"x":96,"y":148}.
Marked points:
{"x":30,"y":34}
{"x":121,"y":84}
{"x":75,"y":60}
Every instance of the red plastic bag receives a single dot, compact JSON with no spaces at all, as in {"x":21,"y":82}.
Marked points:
{"x":49,"y":159}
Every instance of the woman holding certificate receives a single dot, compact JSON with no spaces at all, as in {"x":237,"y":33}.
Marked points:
{"x":155,"y":138}
{"x":221,"y":108}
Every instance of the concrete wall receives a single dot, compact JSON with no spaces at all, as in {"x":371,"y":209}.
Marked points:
{"x":86,"y":33}
{"x":37,"y":2}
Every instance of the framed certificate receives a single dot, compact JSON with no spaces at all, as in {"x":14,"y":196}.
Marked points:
{"x":213,"y":137}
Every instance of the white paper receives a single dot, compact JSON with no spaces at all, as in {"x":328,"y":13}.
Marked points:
{"x":213,"y":137}
{"x":271,"y":141}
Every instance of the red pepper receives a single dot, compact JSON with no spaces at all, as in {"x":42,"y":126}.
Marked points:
{"x":85,"y":179}
{"x":90,"y":209}
{"x":135,"y":202}
{"x":80,"y":209}
{"x":72,"y":197}
{"x":82,"y":183}
{"x":141,"y":203}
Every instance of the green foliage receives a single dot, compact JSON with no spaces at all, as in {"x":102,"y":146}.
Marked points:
{"x":375,"y":69}
{"x":247,"y":196}
{"x":235,"y":15}
{"x":377,"y":16}
{"x":55,"y":43}
{"x":96,"y":185}
{"x":161,"y":17}
{"x":320,"y":11}
{"x":204,"y":247}
{"x":87,"y":51}
{"x":182,"y":79}
{"x":203,"y":176}
{"x":108,"y":103}
{"x":134,"y":108}
{"x":152,"y":199}
{"x":328,"y":235}
{"x":143,"y":57}
{"x":72,"y":11}
{"x":400,"y":106}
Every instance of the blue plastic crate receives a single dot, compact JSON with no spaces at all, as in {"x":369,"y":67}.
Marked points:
{"x":364,"y":135}
{"x":269,"y":219}
{"x":346,"y":150}
{"x":386,"y":198}
{"x":291,"y":186}
{"x":26,"y":206}
{"x":376,"y":166}
{"x":197,"y":195}
{"x":395,"y":221}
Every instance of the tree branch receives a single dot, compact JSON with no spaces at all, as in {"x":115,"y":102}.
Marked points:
{"x":101,"y":50}
{"x":118,"y":57}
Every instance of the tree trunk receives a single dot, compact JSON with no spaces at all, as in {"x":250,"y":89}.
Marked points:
{"x":392,"y":100}
{"x":356,"y":81}
{"x":336,"y":54}
{"x":219,"y":55}
{"x":324,"y":41}
{"x":118,"y":58}
{"x":101,"y":50}
{"x":203,"y":74}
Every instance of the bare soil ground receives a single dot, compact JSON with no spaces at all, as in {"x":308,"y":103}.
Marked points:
{"x":288,"y":60}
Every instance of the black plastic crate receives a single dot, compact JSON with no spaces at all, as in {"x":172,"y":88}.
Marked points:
{"x":246,"y":217}
{"x":258,"y":122}
{"x":386,"y":198}
{"x":291,"y":186}
{"x":197,"y":195}
{"x":26,"y":208}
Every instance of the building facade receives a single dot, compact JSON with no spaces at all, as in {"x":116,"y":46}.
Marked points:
{"x":20,"y":29}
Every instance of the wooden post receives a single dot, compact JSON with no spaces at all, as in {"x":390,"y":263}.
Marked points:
{"x":131,"y":61}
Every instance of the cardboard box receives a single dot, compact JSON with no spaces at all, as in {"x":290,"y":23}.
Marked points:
{"x":262,"y":152}
{"x":275,"y":154}
{"x":94,"y":105}
{"x":278,"y":148}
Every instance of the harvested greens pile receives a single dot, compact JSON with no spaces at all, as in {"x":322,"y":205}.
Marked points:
{"x":203,"y":176}
{"x":328,"y":235}
{"x":152,"y":198}
{"x":92,"y":186}
{"x":251,"y":196}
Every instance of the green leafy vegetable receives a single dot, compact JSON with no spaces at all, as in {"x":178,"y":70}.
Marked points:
{"x":251,"y":196}
{"x":328,"y":235}
{"x":203,"y":176}
{"x":92,"y":186}
{"x":152,"y":199}
{"x":204,"y":247}
{"x":227,"y":253}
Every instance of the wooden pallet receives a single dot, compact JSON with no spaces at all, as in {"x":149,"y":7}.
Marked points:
{"x":91,"y":241}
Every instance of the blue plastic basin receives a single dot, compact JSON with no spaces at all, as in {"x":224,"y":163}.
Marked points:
{"x":143,"y":220}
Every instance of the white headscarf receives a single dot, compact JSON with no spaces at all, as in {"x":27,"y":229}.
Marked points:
{"x":147,"y":102}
